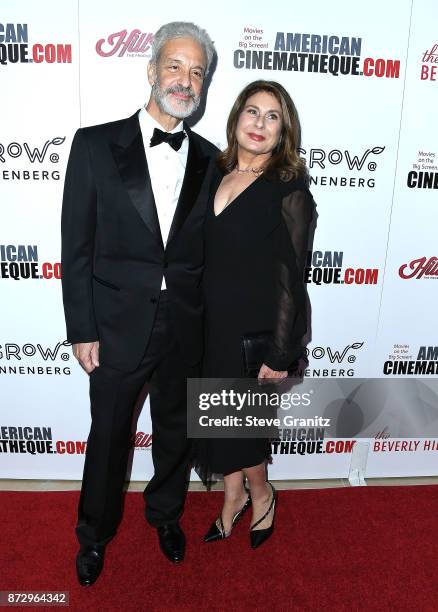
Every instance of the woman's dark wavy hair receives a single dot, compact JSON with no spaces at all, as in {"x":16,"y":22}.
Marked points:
{"x":285,"y":163}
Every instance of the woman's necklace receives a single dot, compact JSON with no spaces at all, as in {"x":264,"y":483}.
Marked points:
{"x":248,"y":170}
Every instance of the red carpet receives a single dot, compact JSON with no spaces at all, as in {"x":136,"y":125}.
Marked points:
{"x":373,"y":548}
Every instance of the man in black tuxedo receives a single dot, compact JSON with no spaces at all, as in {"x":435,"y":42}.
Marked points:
{"x":132,"y":254}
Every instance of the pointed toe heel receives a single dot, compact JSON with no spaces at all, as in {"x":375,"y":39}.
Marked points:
{"x":257,"y":537}
{"x":217,"y":532}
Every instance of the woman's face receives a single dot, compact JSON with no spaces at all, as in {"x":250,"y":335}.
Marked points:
{"x":259,"y":125}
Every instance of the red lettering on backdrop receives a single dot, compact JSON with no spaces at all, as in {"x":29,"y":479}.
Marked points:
{"x":382,"y":434}
{"x":419,"y":267}
{"x":431,"y":56}
{"x":142,"y":440}
{"x":136,"y":42}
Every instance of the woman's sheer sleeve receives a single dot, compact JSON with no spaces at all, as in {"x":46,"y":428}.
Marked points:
{"x":290,"y":253}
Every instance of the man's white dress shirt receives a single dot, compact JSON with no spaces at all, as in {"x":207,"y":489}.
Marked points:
{"x":166,"y":169}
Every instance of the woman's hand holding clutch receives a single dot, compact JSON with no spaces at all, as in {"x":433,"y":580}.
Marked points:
{"x":266,"y":372}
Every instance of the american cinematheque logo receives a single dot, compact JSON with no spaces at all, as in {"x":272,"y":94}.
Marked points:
{"x":326,"y":268}
{"x":353,"y":169}
{"x":308,"y":441}
{"x":132,"y":44}
{"x":21,"y":262}
{"x":32,"y":440}
{"x":42,"y":157}
{"x":425,"y":171}
{"x":15,"y":47}
{"x":402,"y":361}
{"x":333,"y":54}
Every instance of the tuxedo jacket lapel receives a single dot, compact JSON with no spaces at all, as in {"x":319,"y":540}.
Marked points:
{"x":130,"y":157}
{"x":193,"y":178}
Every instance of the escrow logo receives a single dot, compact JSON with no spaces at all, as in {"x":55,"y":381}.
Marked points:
{"x":352,"y":169}
{"x":34,"y":359}
{"x":14,"y":155}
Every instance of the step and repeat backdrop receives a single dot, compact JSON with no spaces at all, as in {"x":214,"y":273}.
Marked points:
{"x":364,"y":78}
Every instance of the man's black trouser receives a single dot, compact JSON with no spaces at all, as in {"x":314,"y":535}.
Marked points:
{"x":113,"y":396}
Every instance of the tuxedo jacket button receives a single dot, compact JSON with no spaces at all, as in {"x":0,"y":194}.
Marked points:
{"x":154,"y":300}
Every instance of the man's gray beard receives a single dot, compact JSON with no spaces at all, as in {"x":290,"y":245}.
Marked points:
{"x":188,"y":107}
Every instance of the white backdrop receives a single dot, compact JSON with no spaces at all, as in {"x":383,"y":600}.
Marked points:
{"x":362,"y":136}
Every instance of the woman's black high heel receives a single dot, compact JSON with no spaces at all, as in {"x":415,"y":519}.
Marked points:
{"x":217,"y":532}
{"x":261,"y":535}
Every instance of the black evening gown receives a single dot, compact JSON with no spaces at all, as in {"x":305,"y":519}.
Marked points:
{"x":255,"y":252}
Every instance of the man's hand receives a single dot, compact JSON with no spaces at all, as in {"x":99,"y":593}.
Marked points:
{"x":87,"y":353}
{"x":266,"y":372}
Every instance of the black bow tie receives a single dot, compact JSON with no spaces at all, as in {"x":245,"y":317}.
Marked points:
{"x":175,"y":140}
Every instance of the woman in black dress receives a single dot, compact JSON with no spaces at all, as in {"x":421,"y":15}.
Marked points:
{"x":256,"y":232}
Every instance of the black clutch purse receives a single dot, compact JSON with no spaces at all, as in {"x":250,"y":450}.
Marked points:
{"x":254,"y":348}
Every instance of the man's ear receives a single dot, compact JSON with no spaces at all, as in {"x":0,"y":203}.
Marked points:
{"x":151,"y":73}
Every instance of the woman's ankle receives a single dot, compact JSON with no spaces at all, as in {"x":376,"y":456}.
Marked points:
{"x":261,"y":494}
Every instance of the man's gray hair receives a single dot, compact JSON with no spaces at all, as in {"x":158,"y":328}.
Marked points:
{"x":182,"y":29}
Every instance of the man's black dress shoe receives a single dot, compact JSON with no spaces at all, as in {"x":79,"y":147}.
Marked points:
{"x":89,"y":563}
{"x":172,"y":541}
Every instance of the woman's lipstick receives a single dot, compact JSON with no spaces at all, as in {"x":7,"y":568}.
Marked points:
{"x":256,"y":137}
